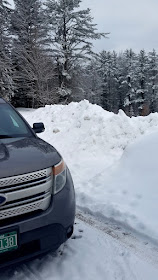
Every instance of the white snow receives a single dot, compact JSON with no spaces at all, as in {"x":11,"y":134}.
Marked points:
{"x":113,"y":160}
{"x":91,"y":256}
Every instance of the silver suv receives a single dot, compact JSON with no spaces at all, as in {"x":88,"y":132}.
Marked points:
{"x":37,"y":199}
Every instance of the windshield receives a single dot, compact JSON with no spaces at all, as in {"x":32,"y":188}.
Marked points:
{"x":11,"y":124}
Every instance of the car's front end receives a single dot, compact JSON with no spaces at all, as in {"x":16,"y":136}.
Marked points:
{"x":39,"y":222}
{"x":37,"y":199}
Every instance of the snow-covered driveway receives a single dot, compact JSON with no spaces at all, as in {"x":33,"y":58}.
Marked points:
{"x":96,"y":251}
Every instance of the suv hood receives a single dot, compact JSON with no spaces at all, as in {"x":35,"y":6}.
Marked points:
{"x":24,"y":155}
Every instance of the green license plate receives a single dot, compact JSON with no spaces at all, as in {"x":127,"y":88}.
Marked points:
{"x":8,"y":241}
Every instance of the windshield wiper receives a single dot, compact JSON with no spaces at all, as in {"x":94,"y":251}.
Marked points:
{"x":2,"y":136}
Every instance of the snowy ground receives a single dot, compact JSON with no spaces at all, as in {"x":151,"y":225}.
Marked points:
{"x":91,"y":254}
{"x":113,"y":160}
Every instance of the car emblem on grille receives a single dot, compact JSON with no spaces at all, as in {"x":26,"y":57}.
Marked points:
{"x":3,"y":199}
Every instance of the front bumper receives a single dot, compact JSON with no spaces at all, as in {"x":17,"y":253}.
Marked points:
{"x":45,"y":231}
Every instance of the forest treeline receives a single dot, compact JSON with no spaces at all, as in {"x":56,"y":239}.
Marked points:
{"x":47,"y":57}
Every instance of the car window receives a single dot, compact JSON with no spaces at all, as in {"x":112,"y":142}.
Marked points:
{"x":14,"y":122}
{"x":11,"y":124}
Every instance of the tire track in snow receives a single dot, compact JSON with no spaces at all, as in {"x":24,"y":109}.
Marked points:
{"x":140,"y":246}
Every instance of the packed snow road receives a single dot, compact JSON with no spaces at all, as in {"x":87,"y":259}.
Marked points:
{"x":113,"y":160}
{"x":95,"y":251}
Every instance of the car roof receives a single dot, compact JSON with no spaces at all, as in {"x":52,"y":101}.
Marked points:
{"x":2,"y":100}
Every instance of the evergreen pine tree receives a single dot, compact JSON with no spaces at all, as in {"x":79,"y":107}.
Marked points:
{"x":142,"y":75}
{"x":33,"y":67}
{"x":6,"y":84}
{"x":153,"y":81}
{"x":72,"y":31}
{"x":130,"y":82}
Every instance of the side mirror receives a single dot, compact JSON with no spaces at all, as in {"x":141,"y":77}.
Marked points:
{"x":38,"y":127}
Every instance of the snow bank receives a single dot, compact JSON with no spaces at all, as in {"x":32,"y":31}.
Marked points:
{"x":113,"y":178}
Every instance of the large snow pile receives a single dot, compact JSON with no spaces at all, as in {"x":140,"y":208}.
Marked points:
{"x":113,"y":160}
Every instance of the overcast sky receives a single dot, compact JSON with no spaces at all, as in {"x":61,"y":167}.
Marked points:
{"x":132,"y":24}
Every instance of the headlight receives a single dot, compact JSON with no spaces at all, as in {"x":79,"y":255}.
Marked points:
{"x":59,"y":172}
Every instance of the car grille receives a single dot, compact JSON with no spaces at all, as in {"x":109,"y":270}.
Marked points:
{"x":26,"y":193}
